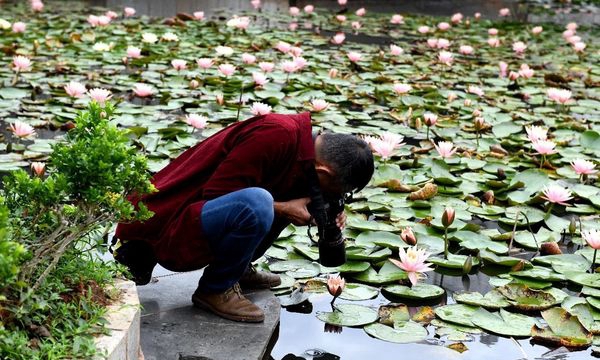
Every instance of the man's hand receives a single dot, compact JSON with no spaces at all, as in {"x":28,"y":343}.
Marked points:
{"x":340,"y":220}
{"x":294,"y":210}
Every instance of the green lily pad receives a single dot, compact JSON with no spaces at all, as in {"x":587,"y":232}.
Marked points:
{"x":299,"y":269}
{"x":503,"y":323}
{"x":296,"y":297}
{"x":524,"y":298}
{"x":349,"y":315}
{"x":349,"y":267}
{"x":539,"y":273}
{"x":401,"y":333}
{"x":419,"y":291}
{"x":453,"y":262}
{"x":582,"y":278}
{"x":492,"y":300}
{"x":393,"y":313}
{"x":457,"y":313}
{"x":595,"y":302}
{"x":369,"y":254}
{"x":563,"y":329}
{"x":358,"y":292}
{"x":387,"y":274}
{"x":490,"y":257}
{"x":381,"y":238}
{"x":564,"y":262}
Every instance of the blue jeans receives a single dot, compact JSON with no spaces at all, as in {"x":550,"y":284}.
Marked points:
{"x":234,"y":224}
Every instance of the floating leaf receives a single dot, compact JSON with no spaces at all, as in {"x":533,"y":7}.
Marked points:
{"x":298,"y":269}
{"x":424,"y":316}
{"x":564,"y":262}
{"x":453,"y":262}
{"x":419,"y":291}
{"x":390,"y":314}
{"x":582,"y":278}
{"x":563,"y":329}
{"x":492,"y":300}
{"x":457,"y":313}
{"x":524,"y":298}
{"x":349,"y":315}
{"x":387,"y":274}
{"x":401,"y":333}
{"x":357,"y":292}
{"x":503,"y":323}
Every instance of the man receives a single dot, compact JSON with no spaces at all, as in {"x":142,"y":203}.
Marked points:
{"x":224,"y":201}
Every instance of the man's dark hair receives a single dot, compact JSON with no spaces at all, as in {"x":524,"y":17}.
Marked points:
{"x":350,"y":157}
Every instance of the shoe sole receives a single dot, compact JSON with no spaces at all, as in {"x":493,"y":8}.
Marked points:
{"x":206,"y":306}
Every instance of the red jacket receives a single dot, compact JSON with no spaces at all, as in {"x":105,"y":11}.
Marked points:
{"x":269,"y":151}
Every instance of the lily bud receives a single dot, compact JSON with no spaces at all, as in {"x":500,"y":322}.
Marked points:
{"x":220,"y":99}
{"x":501,"y":174}
{"x":572,"y":226}
{"x":335,"y":285}
{"x":408,"y":236}
{"x":125,"y":60}
{"x":39,"y":168}
{"x":468,"y":265}
{"x":418,"y":123}
{"x":448,"y":217}
{"x":194,"y":84}
{"x":518,"y":266}
{"x":479,"y":123}
{"x":550,"y":248}
{"x":489,"y":197}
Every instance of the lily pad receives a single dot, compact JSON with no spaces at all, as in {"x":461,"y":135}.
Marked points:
{"x":390,"y":314}
{"x":349,"y":315}
{"x":401,"y":333}
{"x":524,"y":298}
{"x":457,"y":313}
{"x":387,"y":274}
{"x":503,"y":323}
{"x":358,"y":292}
{"x":419,"y":291}
{"x":492,"y":300}
{"x":585,"y":279}
{"x":564,"y":262}
{"x":298,"y":269}
{"x":453,"y":262}
{"x":563,"y":329}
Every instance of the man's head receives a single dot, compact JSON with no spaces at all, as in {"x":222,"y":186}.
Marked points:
{"x":344,"y":163}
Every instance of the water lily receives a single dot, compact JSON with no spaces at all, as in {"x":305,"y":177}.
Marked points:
{"x":170,"y":37}
{"x":579,"y":46}
{"x":19,"y":27}
{"x":5,"y":25}
{"x":356,"y":25}
{"x":402,"y":89}
{"x":443,"y":26}
{"x":22,"y":130}
{"x":525,"y":71}
{"x":584,"y":167}
{"x":111,"y":14}
{"x":21,"y":63}
{"x":537,"y":30}
{"x":319,"y":105}
{"x":557,"y":194}
{"x":335,"y":286}
{"x":266,"y":66}
{"x":198,"y":15}
{"x":75,"y":89}
{"x":561,"y":96}
{"x":129,"y":11}
{"x":395,"y":50}
{"x":204,"y":63}
{"x":504,"y":12}
{"x":309,"y":9}
{"x":430,"y":120}
{"x":535,"y":133}
{"x":445,"y":58}
{"x":227,"y":69}
{"x":503,"y":68}
{"x":545,"y":147}
{"x":361,"y":12}
{"x":466,"y":50}
{"x":382,"y":148}
{"x":445,"y":148}
{"x":134,"y":52}
{"x":149,"y":38}
{"x":342,"y":2}
{"x":103,"y":20}
{"x":196,"y":121}
{"x":338,"y":38}
{"x":423,"y":29}
{"x":283,"y":46}
{"x":259,"y":78}
{"x":493,"y":42}
{"x":413,"y":262}
{"x":289,"y":66}
{"x":143,"y":90}
{"x":99,"y":95}
{"x":354,"y":56}
{"x":300,"y":62}
{"x":447,"y":220}
{"x":37,"y":6}
{"x":260,"y":109}
{"x":248,"y":58}
{"x":239,"y":22}
{"x":294,"y":11}
{"x":100,"y":46}
{"x":397,"y":19}
{"x":179,"y":64}
{"x":472,"y":89}
{"x":333,"y":73}
{"x":408,"y":236}
{"x":38,"y":168}
{"x":519,"y":47}
{"x":456,"y":18}
{"x":341,"y":18}
{"x":442,"y":43}
{"x":492,"y":31}
{"x":572,"y":26}
{"x":224,"y":51}
{"x":296,"y":51}
{"x":592,"y":238}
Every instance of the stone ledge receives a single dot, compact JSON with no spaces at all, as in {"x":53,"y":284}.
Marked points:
{"x":123,"y":323}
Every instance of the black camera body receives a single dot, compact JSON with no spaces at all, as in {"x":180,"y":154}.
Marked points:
{"x":332,"y":250}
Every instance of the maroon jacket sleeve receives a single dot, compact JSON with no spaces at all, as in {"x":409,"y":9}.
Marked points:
{"x":251,"y":158}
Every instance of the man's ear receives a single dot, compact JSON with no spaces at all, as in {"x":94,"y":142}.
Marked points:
{"x":324,"y":170}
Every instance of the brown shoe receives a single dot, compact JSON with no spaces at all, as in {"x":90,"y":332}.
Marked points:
{"x":253,"y":279}
{"x":230,"y":304}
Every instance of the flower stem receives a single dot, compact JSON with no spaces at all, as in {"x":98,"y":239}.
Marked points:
{"x":549,"y":210}
{"x":543,"y":161}
{"x":446,"y":243}
{"x":477,"y":139}
{"x":428,"y":133}
{"x":593,"y":269}
{"x":240,"y":102}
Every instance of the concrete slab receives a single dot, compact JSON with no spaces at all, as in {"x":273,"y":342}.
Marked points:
{"x":172,"y":329}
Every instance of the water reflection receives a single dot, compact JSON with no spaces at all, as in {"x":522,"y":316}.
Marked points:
{"x":162,"y":8}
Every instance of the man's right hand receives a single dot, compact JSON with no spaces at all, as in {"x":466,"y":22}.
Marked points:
{"x":294,"y":210}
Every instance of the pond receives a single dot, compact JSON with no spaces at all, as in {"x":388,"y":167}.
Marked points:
{"x":492,"y":117}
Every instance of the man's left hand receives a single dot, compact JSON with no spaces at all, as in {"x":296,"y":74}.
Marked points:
{"x":340,"y":220}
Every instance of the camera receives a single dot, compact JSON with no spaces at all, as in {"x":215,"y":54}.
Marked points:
{"x":332,"y":250}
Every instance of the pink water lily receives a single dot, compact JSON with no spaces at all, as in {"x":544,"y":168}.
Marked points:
{"x":361,"y":12}
{"x":204,"y":63}
{"x":143,"y":90}
{"x":442,"y":43}
{"x":296,"y":51}
{"x":111,"y":14}
{"x":341,"y":18}
{"x":430,"y":119}
{"x":493,"y":42}
{"x":38,"y":168}
{"x":571,"y":26}
{"x":283,"y":46}
{"x":300,"y":62}
{"x":227,"y":69}
{"x":525,"y":71}
{"x":472,"y":89}
{"x":392,"y":138}
{"x":294,"y":11}
{"x":289,"y":66}
{"x":402,"y":89}
{"x":443,"y":26}
{"x":22,"y":130}
{"x":423,"y":29}
{"x":99,"y":95}
{"x":333,"y":73}
{"x":544,"y":147}
{"x":21,"y":63}
{"x":37,"y":5}
{"x":519,"y":47}
{"x":248,"y":58}
{"x":382,"y":148}
{"x":592,"y":238}
{"x":557,"y":194}
{"x":397,"y":19}
{"x":356,"y":25}
{"x":75,"y":89}
{"x":338,"y":38}
{"x":179,"y":64}
{"x":445,"y":58}
{"x":503,"y":68}
{"x":584,"y":167}
{"x":266,"y":66}
{"x":255,"y":3}
{"x":199,"y":15}
{"x":197,"y":121}
{"x":260,"y":109}
{"x":134,"y":52}
{"x":445,"y":148}
{"x":537,"y":30}
{"x":413,"y":262}
{"x":408,"y":236}
{"x":259,"y":78}
{"x":579,"y":46}
{"x":309,"y":9}
{"x":129,"y":11}
{"x":492,"y":31}
{"x":432,"y":43}
{"x":456,"y":18}
{"x":535,"y":133}
{"x":354,"y":56}
{"x":19,"y":27}
{"x":561,"y":96}
{"x":395,"y":50}
{"x":504,"y":12}
{"x":335,"y":285}
{"x":319,"y":105}
{"x":466,"y":50}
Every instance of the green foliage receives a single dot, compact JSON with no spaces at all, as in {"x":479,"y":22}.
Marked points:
{"x":11,"y":253}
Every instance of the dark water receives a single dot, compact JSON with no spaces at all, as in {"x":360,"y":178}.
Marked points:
{"x":303,"y":335}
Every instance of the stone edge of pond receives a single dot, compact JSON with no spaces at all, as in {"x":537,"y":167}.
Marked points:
{"x":123,"y":323}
